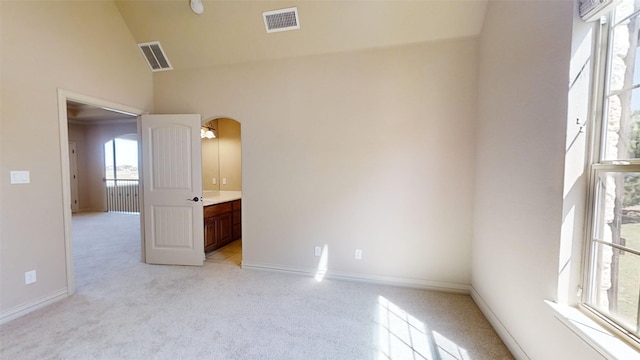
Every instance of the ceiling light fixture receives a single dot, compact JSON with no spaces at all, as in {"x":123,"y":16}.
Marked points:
{"x":197,"y":6}
{"x":207,"y":132}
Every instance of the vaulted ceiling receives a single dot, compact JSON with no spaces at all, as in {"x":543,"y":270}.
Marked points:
{"x":233,"y":31}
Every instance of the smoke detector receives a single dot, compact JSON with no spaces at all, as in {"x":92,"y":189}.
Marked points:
{"x":281,"y":20}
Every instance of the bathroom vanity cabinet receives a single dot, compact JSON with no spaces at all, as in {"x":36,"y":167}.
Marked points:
{"x":222,"y":224}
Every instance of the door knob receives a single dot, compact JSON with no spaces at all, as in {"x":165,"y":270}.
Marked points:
{"x":195,"y":199}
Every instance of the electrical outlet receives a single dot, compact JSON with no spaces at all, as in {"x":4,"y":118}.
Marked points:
{"x":29,"y":277}
{"x":318,"y":251}
{"x":224,"y":181}
{"x":214,"y":181}
{"x":358,"y":254}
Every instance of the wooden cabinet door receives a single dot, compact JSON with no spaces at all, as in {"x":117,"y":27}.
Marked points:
{"x":226,"y":226}
{"x":219,"y":225}
{"x":237,"y":227}
{"x":237,"y":223}
{"x":211,"y":236}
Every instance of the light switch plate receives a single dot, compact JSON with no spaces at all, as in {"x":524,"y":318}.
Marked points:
{"x":20,"y":177}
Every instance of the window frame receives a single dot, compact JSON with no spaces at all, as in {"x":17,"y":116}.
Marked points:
{"x":603,"y":57}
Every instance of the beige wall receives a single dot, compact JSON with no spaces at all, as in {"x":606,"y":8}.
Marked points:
{"x":79,"y":46}
{"x":369,"y":150}
{"x":523,"y":84}
{"x":222,"y":157}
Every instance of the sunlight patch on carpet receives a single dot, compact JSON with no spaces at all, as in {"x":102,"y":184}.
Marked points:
{"x":322,"y":265}
{"x":402,"y":336}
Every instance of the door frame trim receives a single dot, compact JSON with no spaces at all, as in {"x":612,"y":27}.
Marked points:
{"x":63,"y":96}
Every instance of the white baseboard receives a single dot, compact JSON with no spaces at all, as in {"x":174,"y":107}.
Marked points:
{"x":357,"y":277}
{"x":21,"y":310}
{"x":502,"y":331}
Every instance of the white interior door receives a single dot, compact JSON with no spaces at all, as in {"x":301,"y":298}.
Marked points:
{"x":172,"y":189}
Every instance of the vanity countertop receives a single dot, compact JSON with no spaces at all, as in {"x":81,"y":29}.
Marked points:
{"x":212,"y":197}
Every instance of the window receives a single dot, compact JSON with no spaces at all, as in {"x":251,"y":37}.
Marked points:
{"x":121,"y":158}
{"x":121,"y":174}
{"x":613,"y":262}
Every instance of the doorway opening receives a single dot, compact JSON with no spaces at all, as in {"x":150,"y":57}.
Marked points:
{"x":87,"y":123}
{"x":222,"y":190}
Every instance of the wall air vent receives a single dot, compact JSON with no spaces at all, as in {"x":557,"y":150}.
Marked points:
{"x":281,"y":20}
{"x":155,"y":56}
{"x":591,"y":10}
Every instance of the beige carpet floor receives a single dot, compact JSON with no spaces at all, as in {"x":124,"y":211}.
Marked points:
{"x":124,"y":309}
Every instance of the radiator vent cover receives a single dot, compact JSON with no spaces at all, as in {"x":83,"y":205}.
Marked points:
{"x":281,"y":20}
{"x":155,"y":56}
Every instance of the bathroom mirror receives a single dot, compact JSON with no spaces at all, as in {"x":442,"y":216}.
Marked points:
{"x":222,"y":156}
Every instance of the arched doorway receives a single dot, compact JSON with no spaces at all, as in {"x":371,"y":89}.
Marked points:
{"x":222,"y":188}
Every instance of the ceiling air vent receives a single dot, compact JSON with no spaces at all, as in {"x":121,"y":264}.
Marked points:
{"x":155,"y":56}
{"x":281,"y":20}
